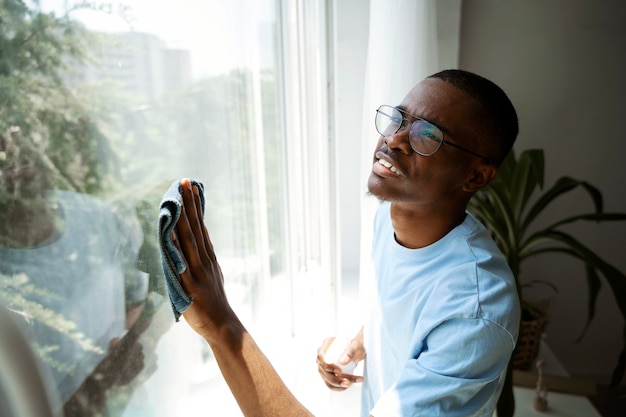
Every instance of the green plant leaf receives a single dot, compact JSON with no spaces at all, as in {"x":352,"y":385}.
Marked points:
{"x":542,"y":282}
{"x":571,"y":246}
{"x":562,"y":185}
{"x":507,"y":168}
{"x":504,"y":208}
{"x":618,"y":372}
{"x":593,"y":284}
{"x":527,"y":177}
{"x":597,"y":217}
{"x":492,"y":207}
{"x":596,"y":196}
{"x":538,"y":165}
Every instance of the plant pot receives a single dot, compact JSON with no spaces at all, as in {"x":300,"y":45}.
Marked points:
{"x":533,"y":325}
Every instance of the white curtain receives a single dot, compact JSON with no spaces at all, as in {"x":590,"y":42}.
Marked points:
{"x":403,"y":49}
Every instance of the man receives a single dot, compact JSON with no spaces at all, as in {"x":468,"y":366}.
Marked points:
{"x":443,"y":318}
{"x":444,"y":311}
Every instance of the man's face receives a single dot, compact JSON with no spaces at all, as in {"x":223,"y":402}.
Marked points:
{"x":401,"y":175}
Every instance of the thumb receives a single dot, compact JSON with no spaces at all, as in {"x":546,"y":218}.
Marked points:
{"x":349,"y":354}
{"x":353,"y":352}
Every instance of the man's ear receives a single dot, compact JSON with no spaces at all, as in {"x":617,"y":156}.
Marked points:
{"x":480,"y":176}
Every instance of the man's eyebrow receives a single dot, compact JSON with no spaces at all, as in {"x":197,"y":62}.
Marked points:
{"x":403,"y":110}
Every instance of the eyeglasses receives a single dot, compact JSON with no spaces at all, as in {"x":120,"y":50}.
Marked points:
{"x":424,"y":137}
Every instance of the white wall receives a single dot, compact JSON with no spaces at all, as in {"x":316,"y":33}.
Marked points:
{"x":563,"y":64}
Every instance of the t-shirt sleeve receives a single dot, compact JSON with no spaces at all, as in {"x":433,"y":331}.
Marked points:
{"x":128,"y":240}
{"x":455,"y":373}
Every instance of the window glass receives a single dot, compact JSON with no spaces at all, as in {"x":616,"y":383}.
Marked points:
{"x":103,"y":107}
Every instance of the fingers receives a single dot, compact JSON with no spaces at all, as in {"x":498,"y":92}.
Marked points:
{"x":333,"y":377}
{"x":206,"y":240}
{"x":354,"y":352}
{"x":330,"y":372}
{"x":321,"y":351}
{"x":185,"y":277}
{"x":326,"y":370}
{"x":193,"y":211}
{"x":185,"y":239}
{"x":192,"y":207}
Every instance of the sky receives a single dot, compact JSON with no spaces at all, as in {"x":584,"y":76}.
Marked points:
{"x":212,"y":30}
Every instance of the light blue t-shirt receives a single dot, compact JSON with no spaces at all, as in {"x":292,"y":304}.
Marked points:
{"x":441,"y":324}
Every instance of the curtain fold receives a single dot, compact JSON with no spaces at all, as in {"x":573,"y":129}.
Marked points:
{"x":403,"y":49}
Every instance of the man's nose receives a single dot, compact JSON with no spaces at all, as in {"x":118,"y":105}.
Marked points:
{"x":399,"y":141}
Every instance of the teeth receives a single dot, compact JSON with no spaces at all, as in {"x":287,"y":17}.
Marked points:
{"x":388,"y":165}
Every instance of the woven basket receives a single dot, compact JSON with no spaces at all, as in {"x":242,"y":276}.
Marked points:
{"x":527,"y":349}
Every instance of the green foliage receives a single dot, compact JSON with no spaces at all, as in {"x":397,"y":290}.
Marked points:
{"x":510,"y":208}
{"x":18,"y":292}
{"x":49,"y":138}
{"x":47,"y":127}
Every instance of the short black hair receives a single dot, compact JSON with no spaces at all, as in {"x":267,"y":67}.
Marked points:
{"x":500,"y":126}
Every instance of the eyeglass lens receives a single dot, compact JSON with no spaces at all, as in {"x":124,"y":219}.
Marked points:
{"x":424,"y":137}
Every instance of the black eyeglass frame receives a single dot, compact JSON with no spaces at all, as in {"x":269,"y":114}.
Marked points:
{"x":441,"y":142}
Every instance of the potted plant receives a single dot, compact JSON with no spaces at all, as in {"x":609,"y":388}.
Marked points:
{"x":507,"y":210}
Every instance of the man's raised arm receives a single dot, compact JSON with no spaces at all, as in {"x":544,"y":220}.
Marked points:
{"x":257,"y":387}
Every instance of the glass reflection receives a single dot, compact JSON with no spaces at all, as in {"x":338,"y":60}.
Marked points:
{"x":93,"y":128}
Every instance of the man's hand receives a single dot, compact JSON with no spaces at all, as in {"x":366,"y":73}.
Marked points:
{"x":202,"y":280}
{"x":257,"y":387}
{"x":331,"y":373}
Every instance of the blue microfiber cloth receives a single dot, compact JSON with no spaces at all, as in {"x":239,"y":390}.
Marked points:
{"x":171,"y":259}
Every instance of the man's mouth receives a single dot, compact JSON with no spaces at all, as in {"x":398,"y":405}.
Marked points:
{"x":388,"y":165}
